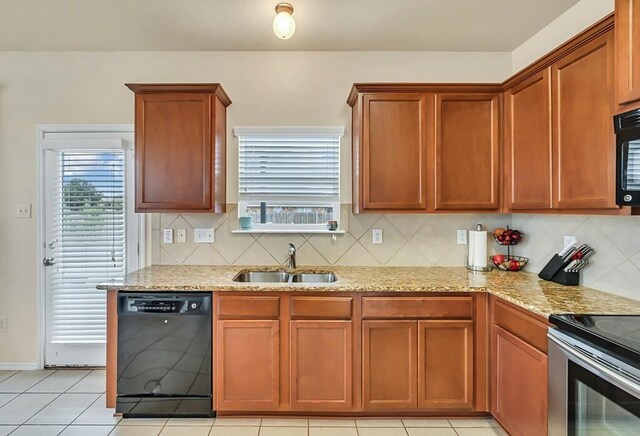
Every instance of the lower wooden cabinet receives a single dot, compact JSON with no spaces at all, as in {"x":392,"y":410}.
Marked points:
{"x":389,"y":364}
{"x":445,"y":364}
{"x":321,"y":362}
{"x":248,"y":365}
{"x":518,"y":370}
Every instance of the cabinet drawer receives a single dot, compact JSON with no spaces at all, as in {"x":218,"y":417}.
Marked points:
{"x":417,"y":307}
{"x":321,"y":307}
{"x":521,"y":325}
{"x":232,"y":307}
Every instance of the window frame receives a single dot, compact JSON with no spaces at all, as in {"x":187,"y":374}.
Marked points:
{"x":290,"y":131}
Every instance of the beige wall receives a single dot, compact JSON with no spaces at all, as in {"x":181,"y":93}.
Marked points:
{"x":582,"y":15}
{"x":267,"y":88}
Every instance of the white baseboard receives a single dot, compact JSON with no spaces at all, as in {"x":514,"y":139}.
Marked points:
{"x":19,"y":366}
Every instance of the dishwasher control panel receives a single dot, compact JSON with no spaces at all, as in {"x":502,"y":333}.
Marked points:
{"x":129,"y":303}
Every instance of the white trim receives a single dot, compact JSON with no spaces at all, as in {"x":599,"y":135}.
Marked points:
{"x":285,"y":131}
{"x":19,"y":366}
{"x":97,"y":144}
{"x":48,"y":135}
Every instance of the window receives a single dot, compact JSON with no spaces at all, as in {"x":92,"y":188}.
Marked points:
{"x":291,"y":172}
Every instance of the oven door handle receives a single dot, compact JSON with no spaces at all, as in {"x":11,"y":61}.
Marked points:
{"x":594,"y":366}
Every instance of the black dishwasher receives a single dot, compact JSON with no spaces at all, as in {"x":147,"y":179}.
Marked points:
{"x":164,"y":354}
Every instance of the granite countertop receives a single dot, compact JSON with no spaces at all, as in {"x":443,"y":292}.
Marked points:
{"x":523,"y":289}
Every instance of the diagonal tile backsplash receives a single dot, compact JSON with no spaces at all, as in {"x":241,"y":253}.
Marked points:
{"x":412,"y":240}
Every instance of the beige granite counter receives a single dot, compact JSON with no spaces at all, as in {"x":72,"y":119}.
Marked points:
{"x":523,"y":289}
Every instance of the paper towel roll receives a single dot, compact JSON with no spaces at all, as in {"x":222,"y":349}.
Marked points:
{"x":478,"y":248}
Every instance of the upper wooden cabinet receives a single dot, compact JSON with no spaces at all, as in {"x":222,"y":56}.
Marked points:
{"x":584,"y":141}
{"x":627,"y":51}
{"x":467,"y":150}
{"x":425,"y":148}
{"x":393,"y":155}
{"x":528,"y":144}
{"x":180,"y":147}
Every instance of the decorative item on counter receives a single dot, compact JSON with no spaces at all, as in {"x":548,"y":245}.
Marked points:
{"x":564,"y":267}
{"x":508,"y":237}
{"x":263,"y":212}
{"x":245,"y":222}
{"x":332,"y":225}
{"x":477,"y":259}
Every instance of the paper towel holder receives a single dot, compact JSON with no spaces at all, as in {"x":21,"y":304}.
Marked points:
{"x":475,"y":268}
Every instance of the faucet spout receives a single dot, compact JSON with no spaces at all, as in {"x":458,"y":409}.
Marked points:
{"x":292,"y":256}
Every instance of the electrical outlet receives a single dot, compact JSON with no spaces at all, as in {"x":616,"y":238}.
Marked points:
{"x":182,"y":236}
{"x":203,"y":236}
{"x":568,"y":240}
{"x":167,"y":236}
{"x":461,"y":237}
{"x":3,"y":324}
{"x":377,"y":236}
{"x":23,"y":210}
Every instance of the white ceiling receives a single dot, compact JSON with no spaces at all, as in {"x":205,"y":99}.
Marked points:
{"x":194,"y":25}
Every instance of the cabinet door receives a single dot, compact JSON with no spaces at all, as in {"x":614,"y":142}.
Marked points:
{"x":467,"y":153}
{"x":627,"y":46}
{"x":321,"y":365}
{"x":445,"y":364}
{"x":389,"y":364}
{"x":248,"y":365}
{"x":394,"y":151}
{"x":584,"y":142}
{"x":528,"y":144}
{"x":519,"y":376}
{"x":173,"y":151}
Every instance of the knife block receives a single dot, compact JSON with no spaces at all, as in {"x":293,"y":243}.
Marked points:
{"x":554,"y":272}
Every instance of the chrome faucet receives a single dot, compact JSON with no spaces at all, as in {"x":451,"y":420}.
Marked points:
{"x":292,"y":256}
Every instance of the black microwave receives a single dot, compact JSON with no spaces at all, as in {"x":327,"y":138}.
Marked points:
{"x":627,"y":127}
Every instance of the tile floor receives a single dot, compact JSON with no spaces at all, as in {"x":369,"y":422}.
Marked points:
{"x":71,"y":402}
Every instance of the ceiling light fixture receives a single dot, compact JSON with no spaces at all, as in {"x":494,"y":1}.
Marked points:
{"x":283,"y":24}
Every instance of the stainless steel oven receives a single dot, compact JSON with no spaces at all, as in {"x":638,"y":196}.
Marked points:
{"x":590,"y":391}
{"x":627,"y":128}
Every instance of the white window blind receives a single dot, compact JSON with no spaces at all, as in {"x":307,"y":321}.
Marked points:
{"x":632,"y":177}
{"x":88,"y":241}
{"x":289,"y":166}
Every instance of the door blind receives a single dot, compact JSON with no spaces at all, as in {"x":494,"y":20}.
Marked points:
{"x":289,"y":167}
{"x":88,"y":241}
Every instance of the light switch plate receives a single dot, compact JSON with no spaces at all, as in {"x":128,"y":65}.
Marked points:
{"x":182,"y":236}
{"x":203,"y":236}
{"x":461,"y":237}
{"x":23,"y":210}
{"x":568,"y":240}
{"x":377,"y":236}
{"x":167,"y":236}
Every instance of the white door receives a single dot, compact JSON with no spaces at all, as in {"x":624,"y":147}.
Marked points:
{"x":90,"y":237}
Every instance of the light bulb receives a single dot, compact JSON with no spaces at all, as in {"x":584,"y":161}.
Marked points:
{"x":284,"y":26}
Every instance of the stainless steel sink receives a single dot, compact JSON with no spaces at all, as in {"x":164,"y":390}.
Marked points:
{"x":284,"y":277}
{"x":313,"y":278}
{"x":262,"y":277}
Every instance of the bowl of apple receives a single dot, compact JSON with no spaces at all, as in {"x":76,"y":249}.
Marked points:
{"x":507,"y":236}
{"x":508,"y":263}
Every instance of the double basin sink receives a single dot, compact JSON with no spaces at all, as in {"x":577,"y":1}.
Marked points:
{"x":284,"y":277}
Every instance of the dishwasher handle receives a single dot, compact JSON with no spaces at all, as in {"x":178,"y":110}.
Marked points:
{"x":131,"y":304}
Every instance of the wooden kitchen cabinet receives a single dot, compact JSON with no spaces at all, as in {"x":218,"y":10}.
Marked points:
{"x":393,"y":156}
{"x":445,"y":364}
{"x":389,"y":371}
{"x":627,"y":46}
{"x":528,"y":144}
{"x":518,"y":370}
{"x":321,"y":362}
{"x":584,"y":141}
{"x":248,"y":365}
{"x":180,"y":143}
{"x":467,"y":152}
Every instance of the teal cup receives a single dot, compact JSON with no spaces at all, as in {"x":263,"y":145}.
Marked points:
{"x":245,"y":222}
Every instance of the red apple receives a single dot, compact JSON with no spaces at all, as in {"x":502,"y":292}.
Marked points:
{"x":514,"y":265}
{"x":498,"y":258}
